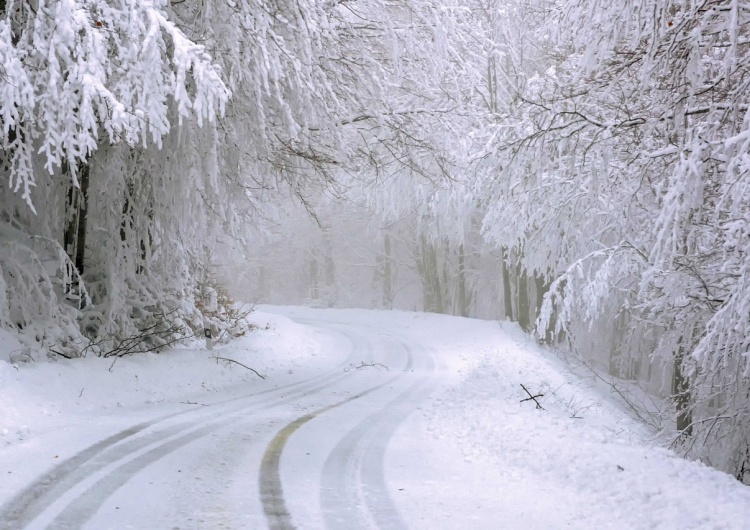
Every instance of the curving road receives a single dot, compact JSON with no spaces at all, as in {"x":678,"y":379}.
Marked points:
{"x":306,"y":454}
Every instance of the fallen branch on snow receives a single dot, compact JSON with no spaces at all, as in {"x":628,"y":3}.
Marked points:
{"x":363,"y":364}
{"x":532,"y":397}
{"x":227,"y":360}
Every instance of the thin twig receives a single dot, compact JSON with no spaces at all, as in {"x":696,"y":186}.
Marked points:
{"x":237,"y":362}
{"x":61,"y":354}
{"x":362,"y":364}
{"x":538,"y":405}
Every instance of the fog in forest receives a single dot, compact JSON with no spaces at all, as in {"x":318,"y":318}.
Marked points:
{"x":579,"y":168}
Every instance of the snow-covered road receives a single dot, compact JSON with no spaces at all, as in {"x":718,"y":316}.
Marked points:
{"x":307,"y":453}
{"x":333,"y":456}
{"x":366,"y":420}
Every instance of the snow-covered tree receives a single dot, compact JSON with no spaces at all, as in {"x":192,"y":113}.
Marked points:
{"x":79,"y":74}
{"x":635,"y":139}
{"x":121,"y":134}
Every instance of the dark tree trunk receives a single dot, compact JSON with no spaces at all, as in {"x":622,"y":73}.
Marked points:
{"x":83,"y":203}
{"x":76,"y":206}
{"x":681,"y":393}
{"x":507,"y":293}
{"x":126,"y":219}
{"x":71,"y":221}
{"x":523,"y":299}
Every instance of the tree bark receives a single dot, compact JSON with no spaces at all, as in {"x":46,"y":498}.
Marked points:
{"x":542,"y":287}
{"x":387,"y":274}
{"x":314,"y":280}
{"x":523,"y":298}
{"x":83,"y":203}
{"x":330,"y":274}
{"x":681,"y":393}
{"x":429,"y":271}
{"x":76,"y":207}
{"x":507,"y":293}
{"x":71,"y":219}
{"x":464,"y":294}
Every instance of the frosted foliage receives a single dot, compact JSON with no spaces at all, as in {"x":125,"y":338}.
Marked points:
{"x":153,"y":220}
{"x":33,"y":273}
{"x":82,"y":69}
{"x":625,"y":177}
{"x":582,"y":164}
{"x":326,"y":92}
{"x":319,"y":98}
{"x":721,"y":357}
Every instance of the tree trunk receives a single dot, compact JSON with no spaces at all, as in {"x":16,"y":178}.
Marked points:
{"x":314,"y":280}
{"x":464,"y":294}
{"x":330,"y":274}
{"x":387,"y":274}
{"x":261,"y":288}
{"x":542,"y":288}
{"x":615,"y":355}
{"x":523,"y":298}
{"x":83,"y":203}
{"x":428,"y":269}
{"x":71,"y":220}
{"x":681,"y":393}
{"x":74,"y":231}
{"x":507,"y":295}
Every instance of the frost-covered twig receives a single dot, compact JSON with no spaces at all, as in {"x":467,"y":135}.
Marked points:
{"x":363,"y":364}
{"x":148,"y":339}
{"x":642,"y":413}
{"x":232,"y":361}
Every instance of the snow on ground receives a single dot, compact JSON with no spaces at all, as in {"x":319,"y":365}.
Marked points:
{"x":476,"y":455}
{"x":50,"y":403}
{"x":582,"y":462}
{"x":472,"y":456}
{"x":32,"y":395}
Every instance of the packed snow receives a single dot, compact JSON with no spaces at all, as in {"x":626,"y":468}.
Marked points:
{"x":454,"y":441}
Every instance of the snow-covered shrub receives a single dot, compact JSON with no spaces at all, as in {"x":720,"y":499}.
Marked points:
{"x":225,"y":317}
{"x":37,"y":300}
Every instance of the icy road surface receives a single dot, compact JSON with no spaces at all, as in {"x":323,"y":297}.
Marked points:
{"x":366,"y":420}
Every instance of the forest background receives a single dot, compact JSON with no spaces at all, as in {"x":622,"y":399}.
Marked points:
{"x":580,"y":167}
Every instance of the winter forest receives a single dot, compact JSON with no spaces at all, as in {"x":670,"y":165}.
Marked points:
{"x":580,"y":167}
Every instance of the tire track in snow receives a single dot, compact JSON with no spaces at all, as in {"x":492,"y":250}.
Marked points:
{"x":39,"y":496}
{"x":122,"y":468}
{"x":353,"y":474}
{"x":19,"y":510}
{"x":269,"y":481}
{"x":271,"y":491}
{"x":338,"y":479}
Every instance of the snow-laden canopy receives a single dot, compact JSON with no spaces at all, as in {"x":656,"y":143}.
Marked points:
{"x":579,"y":164}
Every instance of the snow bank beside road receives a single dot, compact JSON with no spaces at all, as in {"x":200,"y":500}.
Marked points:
{"x":476,"y":456}
{"x":40,"y":402}
{"x":491,"y":461}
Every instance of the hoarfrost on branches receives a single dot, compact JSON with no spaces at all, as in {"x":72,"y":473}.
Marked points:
{"x":75,"y":70}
